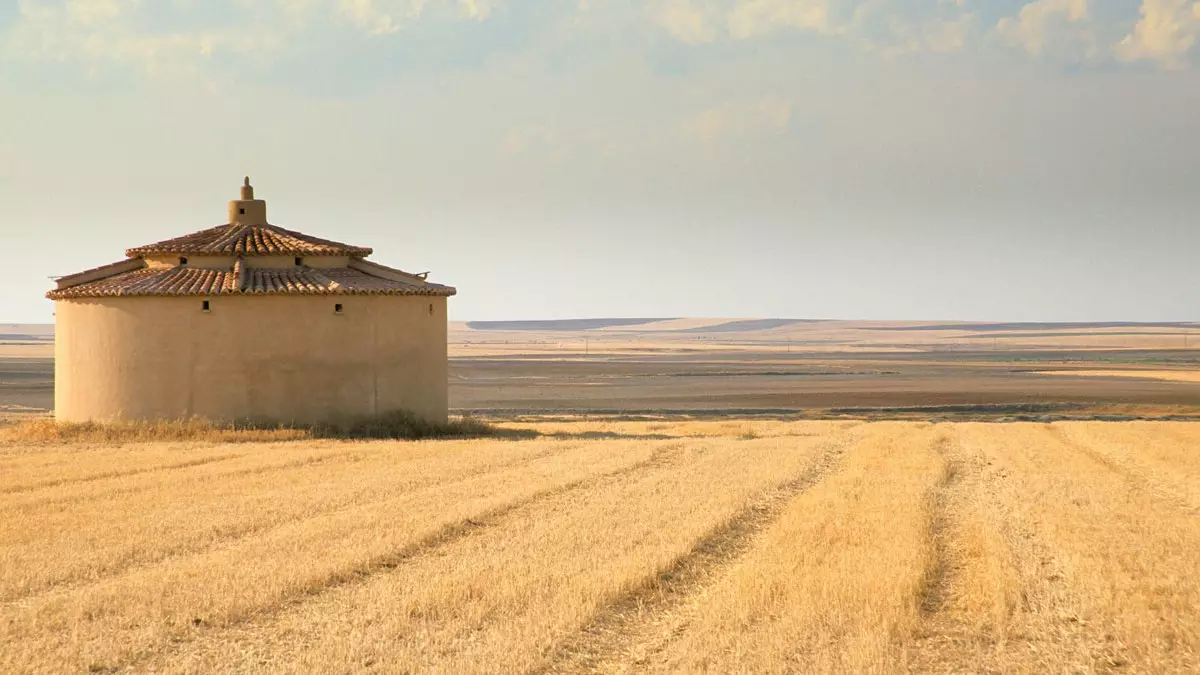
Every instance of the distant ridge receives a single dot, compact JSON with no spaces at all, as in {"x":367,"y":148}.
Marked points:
{"x":560,"y":324}
{"x":746,"y":325}
{"x":1029,"y":325}
{"x":719,"y":326}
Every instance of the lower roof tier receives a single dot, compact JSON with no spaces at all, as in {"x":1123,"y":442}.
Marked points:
{"x":244,"y":280}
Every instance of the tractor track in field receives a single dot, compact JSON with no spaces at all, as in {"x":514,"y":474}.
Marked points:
{"x":451,"y":533}
{"x":109,"y":475}
{"x":35,"y":500}
{"x":1040,"y":622}
{"x":651,"y":616}
{"x":940,"y":576}
{"x":946,"y":632}
{"x":1134,"y":475}
{"x":235,"y":535}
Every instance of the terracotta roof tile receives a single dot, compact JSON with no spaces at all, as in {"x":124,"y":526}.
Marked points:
{"x":242,"y":280}
{"x":248,"y":240}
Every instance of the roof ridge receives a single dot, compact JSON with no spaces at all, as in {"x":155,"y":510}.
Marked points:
{"x":252,"y":240}
{"x":239,"y":275}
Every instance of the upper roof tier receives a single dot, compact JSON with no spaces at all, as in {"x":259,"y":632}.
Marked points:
{"x":242,"y":257}
{"x":236,"y":239}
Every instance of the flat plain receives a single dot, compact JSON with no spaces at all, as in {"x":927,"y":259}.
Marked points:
{"x":730,"y":545}
{"x":679,"y":495}
{"x":772,"y":366}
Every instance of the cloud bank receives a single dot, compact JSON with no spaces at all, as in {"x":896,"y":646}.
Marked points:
{"x":192,"y":37}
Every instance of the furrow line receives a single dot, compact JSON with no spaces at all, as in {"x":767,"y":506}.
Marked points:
{"x":237,"y":535}
{"x":951,"y":627}
{"x":1000,"y":597}
{"x":1131,"y":474}
{"x":131,"y":490}
{"x":428,"y":545}
{"x":653,"y":611}
{"x":939,"y":577}
{"x":33,"y":487}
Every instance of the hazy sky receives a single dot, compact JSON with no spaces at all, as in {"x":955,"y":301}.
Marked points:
{"x":888,"y":159}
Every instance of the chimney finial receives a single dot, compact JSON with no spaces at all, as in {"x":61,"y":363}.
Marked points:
{"x":247,"y":210}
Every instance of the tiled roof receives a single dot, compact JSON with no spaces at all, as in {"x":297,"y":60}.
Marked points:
{"x":248,"y":240}
{"x":242,"y":280}
{"x":102,"y":272}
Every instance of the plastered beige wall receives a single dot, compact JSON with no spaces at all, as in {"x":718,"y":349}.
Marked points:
{"x":285,"y":359}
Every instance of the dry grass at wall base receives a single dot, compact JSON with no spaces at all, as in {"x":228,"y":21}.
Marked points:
{"x":396,"y":425}
{"x":612,"y":546}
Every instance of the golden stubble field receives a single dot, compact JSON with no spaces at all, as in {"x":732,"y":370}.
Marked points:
{"x":730,"y":546}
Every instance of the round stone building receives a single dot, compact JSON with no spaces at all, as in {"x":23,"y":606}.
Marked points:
{"x":248,"y":321}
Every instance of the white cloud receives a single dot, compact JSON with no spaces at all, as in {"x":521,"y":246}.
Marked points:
{"x":381,"y":17}
{"x":688,"y":21}
{"x":475,"y":9}
{"x":758,"y":17}
{"x":738,"y":120}
{"x":1166,"y":32}
{"x":98,"y":32}
{"x":886,"y":26}
{"x":1036,"y":24}
{"x":702,"y":21}
{"x":101,"y":34}
{"x":160,"y":36}
{"x":93,"y":11}
{"x":939,"y":36}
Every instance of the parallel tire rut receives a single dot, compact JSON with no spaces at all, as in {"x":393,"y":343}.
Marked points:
{"x":943,"y":634}
{"x":643,"y":613}
{"x":936,"y":588}
{"x":430,"y":544}
{"x":108,"y":475}
{"x":951,"y":637}
{"x":1132,"y":475}
{"x":234,"y":536}
{"x":126,"y":490}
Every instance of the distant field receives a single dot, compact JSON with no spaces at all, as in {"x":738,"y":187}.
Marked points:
{"x":1168,"y":375}
{"x":650,"y":336}
{"x":770,"y":366}
{"x":608,"y":546}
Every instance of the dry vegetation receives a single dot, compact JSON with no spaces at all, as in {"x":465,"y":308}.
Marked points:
{"x":730,"y":546}
{"x":390,"y":426}
{"x":1167,"y":375}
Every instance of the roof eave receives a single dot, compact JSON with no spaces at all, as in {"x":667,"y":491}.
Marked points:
{"x":98,"y":273}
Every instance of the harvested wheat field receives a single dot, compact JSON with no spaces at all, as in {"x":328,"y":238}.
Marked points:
{"x":585,"y":546}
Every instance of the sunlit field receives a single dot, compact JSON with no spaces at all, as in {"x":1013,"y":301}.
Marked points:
{"x":605,"y":546}
{"x":1168,"y":375}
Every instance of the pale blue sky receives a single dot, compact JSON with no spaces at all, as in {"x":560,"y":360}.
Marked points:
{"x":887,"y":159}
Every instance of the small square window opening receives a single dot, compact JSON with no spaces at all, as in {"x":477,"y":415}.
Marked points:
{"x":337,"y":309}
{"x":182,"y":260}
{"x":299,"y":262}
{"x":204,"y":306}
{"x":242,"y":211}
